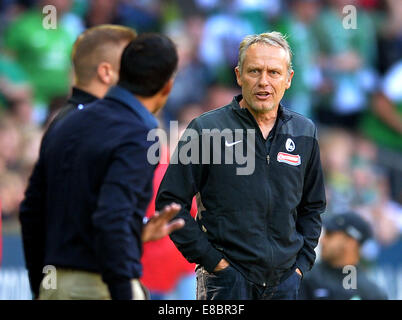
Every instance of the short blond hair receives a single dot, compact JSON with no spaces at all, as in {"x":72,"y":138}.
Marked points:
{"x":96,"y":45}
{"x":274,"y":38}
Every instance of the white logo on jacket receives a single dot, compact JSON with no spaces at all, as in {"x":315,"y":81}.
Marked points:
{"x":227,"y":144}
{"x":290,"y":145}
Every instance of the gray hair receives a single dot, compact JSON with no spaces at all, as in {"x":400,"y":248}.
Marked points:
{"x":274,"y":38}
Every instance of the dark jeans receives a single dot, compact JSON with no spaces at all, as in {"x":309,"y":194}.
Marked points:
{"x":229,"y":284}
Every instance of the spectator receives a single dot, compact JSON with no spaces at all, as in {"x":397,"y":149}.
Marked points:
{"x":10,"y":140}
{"x":192,"y":78}
{"x":144,"y":16}
{"x":337,"y":147}
{"x":218,"y":95}
{"x":17,"y":97}
{"x":102,"y":12}
{"x":347,"y":57}
{"x":19,"y":145}
{"x":29,"y":150}
{"x":375,"y":205}
{"x":42,"y":52}
{"x":383,"y":125}
{"x":390,"y":36}
{"x":15,"y":89}
{"x":298,"y":25}
{"x":340,"y":245}
{"x":257,"y":13}
{"x":11,"y":193}
{"x":223,"y":31}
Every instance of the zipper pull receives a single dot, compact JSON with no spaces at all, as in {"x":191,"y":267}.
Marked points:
{"x":267,"y":159}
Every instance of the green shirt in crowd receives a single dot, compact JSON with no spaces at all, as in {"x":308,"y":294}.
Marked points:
{"x":374,"y":127}
{"x":43,"y":53}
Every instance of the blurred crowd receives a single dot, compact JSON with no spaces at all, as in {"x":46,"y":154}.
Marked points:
{"x":348,"y":80}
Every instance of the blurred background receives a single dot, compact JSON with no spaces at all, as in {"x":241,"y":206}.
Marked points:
{"x":349,"y":81}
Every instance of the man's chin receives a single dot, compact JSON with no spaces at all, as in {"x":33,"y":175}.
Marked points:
{"x":262,"y":108}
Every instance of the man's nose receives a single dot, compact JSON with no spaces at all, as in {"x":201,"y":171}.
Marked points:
{"x":264,"y":79}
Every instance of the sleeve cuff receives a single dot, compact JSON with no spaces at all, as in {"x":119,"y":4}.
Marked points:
{"x":121,"y":290}
{"x":303,"y":264}
{"x":211,"y":259}
{"x":35,"y":280}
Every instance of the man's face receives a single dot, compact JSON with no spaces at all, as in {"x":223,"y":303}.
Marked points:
{"x":333,"y":245}
{"x":163,"y":96}
{"x":263,"y":77}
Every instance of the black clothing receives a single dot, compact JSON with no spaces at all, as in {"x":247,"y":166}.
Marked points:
{"x":326,"y":282}
{"x":79,"y":98}
{"x":87,"y":196}
{"x":266,"y":221}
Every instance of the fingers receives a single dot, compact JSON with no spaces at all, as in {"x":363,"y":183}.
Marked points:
{"x":175,"y":225}
{"x":160,"y":226}
{"x":169,"y":212}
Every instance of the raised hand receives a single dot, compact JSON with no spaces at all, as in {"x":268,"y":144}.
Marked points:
{"x":159,"y":225}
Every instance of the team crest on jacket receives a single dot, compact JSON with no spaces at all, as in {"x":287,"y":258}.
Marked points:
{"x":292,"y":159}
{"x":290,"y":145}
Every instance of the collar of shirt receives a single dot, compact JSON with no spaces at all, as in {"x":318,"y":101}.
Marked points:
{"x":126,"y":97}
{"x":79,"y":96}
{"x":282,"y":116}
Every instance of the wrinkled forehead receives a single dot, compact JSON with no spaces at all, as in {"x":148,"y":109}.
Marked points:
{"x":261,"y":53}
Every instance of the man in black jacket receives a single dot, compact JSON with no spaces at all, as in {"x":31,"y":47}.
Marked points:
{"x":257,"y":225}
{"x":86,"y":198}
{"x":338,"y":275}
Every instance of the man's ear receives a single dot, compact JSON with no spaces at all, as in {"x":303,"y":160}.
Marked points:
{"x":238,"y":79}
{"x":105,"y":73}
{"x":167,"y":88}
{"x":289,"y":81}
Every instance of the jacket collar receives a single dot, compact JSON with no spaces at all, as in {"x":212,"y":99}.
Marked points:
{"x":125,"y":97}
{"x":79,"y":96}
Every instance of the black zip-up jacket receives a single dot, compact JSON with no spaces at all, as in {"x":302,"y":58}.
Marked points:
{"x":265,"y":223}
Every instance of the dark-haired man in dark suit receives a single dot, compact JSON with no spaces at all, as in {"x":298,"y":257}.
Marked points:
{"x":84,"y":206}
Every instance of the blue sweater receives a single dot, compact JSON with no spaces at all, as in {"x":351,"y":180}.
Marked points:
{"x":86,"y":198}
